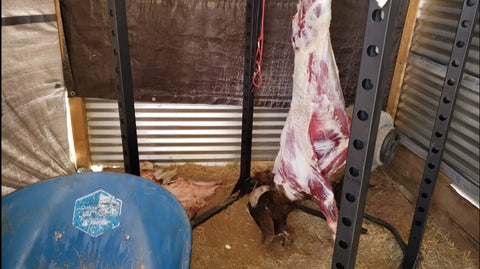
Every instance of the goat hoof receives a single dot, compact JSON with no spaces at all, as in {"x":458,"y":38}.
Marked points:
{"x":286,"y":239}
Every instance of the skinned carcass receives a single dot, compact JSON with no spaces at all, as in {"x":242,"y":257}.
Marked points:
{"x":314,"y":139}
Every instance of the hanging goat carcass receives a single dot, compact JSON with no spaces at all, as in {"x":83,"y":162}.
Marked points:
{"x":314,"y":139}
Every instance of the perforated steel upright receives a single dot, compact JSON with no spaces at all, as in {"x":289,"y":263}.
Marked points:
{"x":124,"y":85}
{"x":252,"y":23}
{"x":243,"y":185}
{"x":453,"y":78}
{"x":374,"y":69}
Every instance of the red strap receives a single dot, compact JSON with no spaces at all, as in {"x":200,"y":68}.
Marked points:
{"x":259,"y":53}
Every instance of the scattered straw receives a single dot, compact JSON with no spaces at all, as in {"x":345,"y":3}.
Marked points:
{"x":312,"y":243}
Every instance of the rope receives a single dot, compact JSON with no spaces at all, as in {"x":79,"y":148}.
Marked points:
{"x":259,"y":53}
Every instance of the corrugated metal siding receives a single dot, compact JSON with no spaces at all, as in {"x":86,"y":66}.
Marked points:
{"x":435,"y":30}
{"x":424,"y":77}
{"x":179,"y":133}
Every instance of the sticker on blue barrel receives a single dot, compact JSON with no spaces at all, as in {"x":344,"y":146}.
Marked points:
{"x":97,"y":212}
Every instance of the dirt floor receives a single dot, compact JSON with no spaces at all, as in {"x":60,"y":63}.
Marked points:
{"x":231,"y":238}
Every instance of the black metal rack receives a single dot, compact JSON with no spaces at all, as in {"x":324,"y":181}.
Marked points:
{"x":374,"y":67}
{"x":244,"y":184}
{"x":252,"y":20}
{"x":451,"y":85}
{"x":373,"y":74}
{"x":124,"y":85}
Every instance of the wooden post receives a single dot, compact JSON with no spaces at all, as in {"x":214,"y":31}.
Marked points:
{"x":76,"y":104}
{"x":80,"y":132}
{"x":402,"y":58}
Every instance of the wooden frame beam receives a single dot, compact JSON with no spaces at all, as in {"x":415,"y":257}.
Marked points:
{"x":76,"y":105}
{"x":402,"y":57}
{"x":80,"y":132}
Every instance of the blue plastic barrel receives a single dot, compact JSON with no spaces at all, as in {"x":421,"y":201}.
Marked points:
{"x":95,"y":220}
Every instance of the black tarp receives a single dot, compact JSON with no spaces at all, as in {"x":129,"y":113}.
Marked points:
{"x":191,"y":51}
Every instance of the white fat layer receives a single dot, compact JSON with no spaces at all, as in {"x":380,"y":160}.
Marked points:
{"x":323,"y":147}
{"x":329,"y":197}
{"x":306,"y":102}
{"x":255,"y":195}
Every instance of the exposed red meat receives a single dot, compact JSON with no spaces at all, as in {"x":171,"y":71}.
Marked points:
{"x":314,"y":139}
